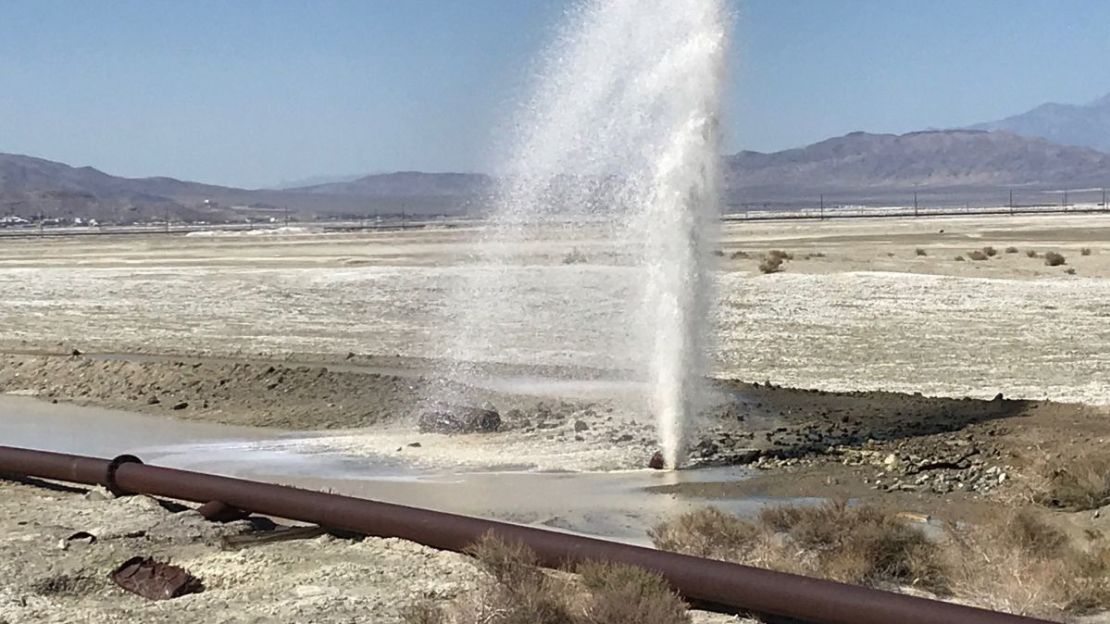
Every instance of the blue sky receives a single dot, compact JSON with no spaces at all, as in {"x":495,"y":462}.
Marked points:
{"x":254,"y":92}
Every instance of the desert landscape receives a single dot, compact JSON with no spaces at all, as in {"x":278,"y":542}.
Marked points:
{"x":562,"y":312}
{"x":868,"y":365}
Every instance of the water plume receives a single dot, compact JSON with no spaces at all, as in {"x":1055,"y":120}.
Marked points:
{"x":619,"y":142}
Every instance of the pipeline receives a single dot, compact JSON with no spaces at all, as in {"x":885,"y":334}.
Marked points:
{"x":725,"y":586}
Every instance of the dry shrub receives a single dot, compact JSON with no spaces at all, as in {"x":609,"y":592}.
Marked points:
{"x":977,"y":255}
{"x":624,"y":594}
{"x":921,"y":252}
{"x":862,"y":545}
{"x":718,"y":253}
{"x":1031,"y":253}
{"x":959,"y":258}
{"x":990,"y":251}
{"x":1086,"y":251}
{"x":575,"y":257}
{"x":1012,"y":250}
{"x":1069,"y":271}
{"x":771,"y":264}
{"x":509,"y":563}
{"x":1051,"y":258}
{"x":520,"y":592}
{"x":737,"y":255}
{"x":1020,"y":564}
{"x":1081,"y":484}
{"x":1024,"y":531}
{"x":424,"y":612}
{"x":1015,"y":563}
{"x":778,"y":253}
{"x":708,"y":533}
{"x":517,"y":591}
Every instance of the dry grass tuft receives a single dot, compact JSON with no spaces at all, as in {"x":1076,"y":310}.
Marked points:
{"x":1051,"y":258}
{"x":862,"y":545}
{"x":624,"y":594}
{"x":1031,"y":253}
{"x":921,"y":252}
{"x":708,"y":533}
{"x":959,"y":258}
{"x":778,"y":253}
{"x":506,"y":562}
{"x":575,"y":257}
{"x":519,"y":592}
{"x":977,"y":255}
{"x":1016,"y":563}
{"x":1022,"y":565}
{"x":1011,"y":250}
{"x":423,"y":612}
{"x":1086,"y":251}
{"x":771,"y":264}
{"x":738,"y":255}
{"x":1081,"y":484}
{"x":990,"y":251}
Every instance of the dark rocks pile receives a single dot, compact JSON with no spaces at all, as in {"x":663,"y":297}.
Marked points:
{"x":459,"y":419}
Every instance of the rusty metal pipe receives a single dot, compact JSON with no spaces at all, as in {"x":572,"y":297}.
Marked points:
{"x":728,"y":586}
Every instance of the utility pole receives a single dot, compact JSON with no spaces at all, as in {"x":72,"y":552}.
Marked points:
{"x":1011,"y":202}
{"x":1065,"y":204}
{"x":822,"y":196}
{"x":1103,"y":204}
{"x":915,"y":203}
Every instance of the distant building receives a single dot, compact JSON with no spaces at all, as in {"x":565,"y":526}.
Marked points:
{"x":12,"y":220}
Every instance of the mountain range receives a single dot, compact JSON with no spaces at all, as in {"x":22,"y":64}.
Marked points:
{"x":1086,"y":125}
{"x":1043,"y":151}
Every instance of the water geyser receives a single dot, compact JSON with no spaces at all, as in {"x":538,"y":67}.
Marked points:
{"x":618,"y":139}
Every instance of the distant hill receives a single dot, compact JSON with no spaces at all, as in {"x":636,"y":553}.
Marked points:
{"x":408,"y":183}
{"x":32,"y":187}
{"x":312,"y":181}
{"x":950,"y":166}
{"x":1085,"y":125}
{"x":954,"y":162}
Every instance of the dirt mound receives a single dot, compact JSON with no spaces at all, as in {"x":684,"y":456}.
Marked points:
{"x":241,"y":393}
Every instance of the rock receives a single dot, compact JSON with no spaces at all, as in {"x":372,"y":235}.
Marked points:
{"x":99,"y":493}
{"x":414,"y":444}
{"x":459,"y":419}
{"x":153,"y":401}
{"x":580,"y":425}
{"x":656,"y":461}
{"x":180,"y":406}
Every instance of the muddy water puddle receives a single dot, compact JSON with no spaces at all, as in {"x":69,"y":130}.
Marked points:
{"x":611,"y":504}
